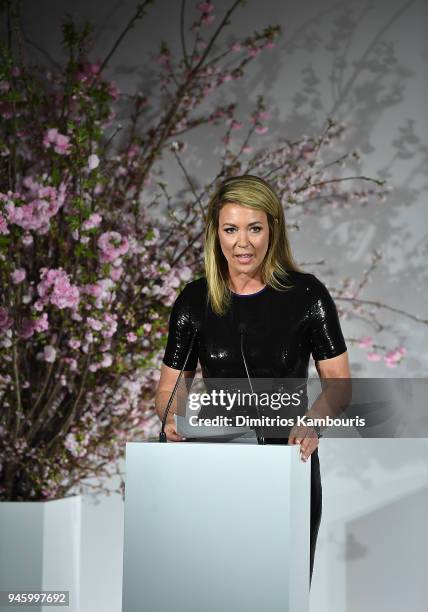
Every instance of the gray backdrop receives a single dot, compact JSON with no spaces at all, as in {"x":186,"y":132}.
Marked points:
{"x":363,"y":63}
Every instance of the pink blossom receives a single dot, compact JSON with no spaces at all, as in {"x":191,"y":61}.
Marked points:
{"x":91,"y":69}
{"x":133,"y":151}
{"x":225,"y":77}
{"x":72,"y":445}
{"x":131,"y":337}
{"x":163,"y":58}
{"x":236,"y":125}
{"x":147,"y":327}
{"x":366,"y":342}
{"x":3,"y":225}
{"x":106,"y":346}
{"x":260,"y":115}
{"x":114,"y":90}
{"x":30,"y":326}
{"x":73,"y":343}
{"x":93,"y":161}
{"x":116,"y":273}
{"x":93,"y":221}
{"x":207,"y":18}
{"x":247,"y":149}
{"x":392,"y":358}
{"x":112,"y":245}
{"x":391,"y":363}
{"x":27,"y":239}
{"x":205,"y":7}
{"x":94,"y":324}
{"x":173,"y":281}
{"x":107,"y":360}
{"x":72,"y":363}
{"x":37,"y":213}
{"x":5,"y":320}
{"x":254,"y":51}
{"x":373,"y":357}
{"x":261,"y":129}
{"x":101,"y":290}
{"x":41,"y":323}
{"x":110,"y":325}
{"x":55,"y":287}
{"x":236,"y":47}
{"x":60,"y":142}
{"x":50,"y":136}
{"x":49,"y":353}
{"x":185,"y":274}
{"x":95,"y":289}
{"x":27,"y":329}
{"x":18,"y":275}
{"x":62,"y":146}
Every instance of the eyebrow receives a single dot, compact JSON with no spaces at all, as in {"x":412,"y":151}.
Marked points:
{"x":249,"y":225}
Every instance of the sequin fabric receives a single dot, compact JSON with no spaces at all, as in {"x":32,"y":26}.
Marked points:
{"x":281,"y":329}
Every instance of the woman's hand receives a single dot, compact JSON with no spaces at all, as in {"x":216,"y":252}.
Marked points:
{"x":307,"y":438}
{"x":171,"y":432}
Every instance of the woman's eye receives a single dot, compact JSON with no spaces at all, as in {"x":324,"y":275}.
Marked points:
{"x":256,"y":229}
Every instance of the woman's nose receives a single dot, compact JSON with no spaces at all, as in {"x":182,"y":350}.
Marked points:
{"x":242,"y":239}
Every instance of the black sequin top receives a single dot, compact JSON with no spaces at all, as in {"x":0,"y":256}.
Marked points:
{"x":281,"y":329}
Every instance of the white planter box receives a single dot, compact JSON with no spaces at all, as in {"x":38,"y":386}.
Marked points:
{"x":40,"y":548}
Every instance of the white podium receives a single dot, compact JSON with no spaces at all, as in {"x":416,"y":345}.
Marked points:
{"x":216,"y":527}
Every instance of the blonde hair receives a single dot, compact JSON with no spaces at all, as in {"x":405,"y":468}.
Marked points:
{"x":253,"y":192}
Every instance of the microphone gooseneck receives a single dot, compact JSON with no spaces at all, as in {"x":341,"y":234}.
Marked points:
{"x":162,"y":434}
{"x":260,"y":438}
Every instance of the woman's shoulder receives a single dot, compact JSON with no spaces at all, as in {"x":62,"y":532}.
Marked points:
{"x":297,"y":277}
{"x":192,"y":291}
{"x":304,"y":281}
{"x":196,"y":287}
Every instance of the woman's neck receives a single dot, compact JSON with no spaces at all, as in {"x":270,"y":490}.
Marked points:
{"x":245,"y":285}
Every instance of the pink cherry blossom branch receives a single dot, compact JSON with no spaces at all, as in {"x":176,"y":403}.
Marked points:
{"x":404,"y":313}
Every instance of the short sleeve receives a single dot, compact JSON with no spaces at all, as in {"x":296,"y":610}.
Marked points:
{"x":180,"y":333}
{"x":325,"y":334}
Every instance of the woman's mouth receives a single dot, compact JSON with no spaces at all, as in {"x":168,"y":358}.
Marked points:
{"x":246,"y":258}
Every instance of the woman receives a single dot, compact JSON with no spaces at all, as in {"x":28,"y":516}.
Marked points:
{"x":255,"y":315}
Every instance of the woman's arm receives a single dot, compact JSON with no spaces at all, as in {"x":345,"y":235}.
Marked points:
{"x":167,"y":381}
{"x":335,"y":377}
{"x":335,"y":396}
{"x":336,"y":367}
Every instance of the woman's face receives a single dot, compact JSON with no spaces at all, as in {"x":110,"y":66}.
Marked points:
{"x":244,"y":237}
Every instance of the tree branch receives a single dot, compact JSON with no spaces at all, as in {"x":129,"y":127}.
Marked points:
{"x":138,"y":15}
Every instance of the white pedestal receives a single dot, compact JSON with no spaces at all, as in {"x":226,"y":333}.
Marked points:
{"x":40,"y":548}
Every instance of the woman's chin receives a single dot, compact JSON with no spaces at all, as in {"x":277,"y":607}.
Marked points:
{"x":244,"y":267}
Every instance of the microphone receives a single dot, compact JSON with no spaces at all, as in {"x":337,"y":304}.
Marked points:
{"x":162,"y":434}
{"x":261,"y":437}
